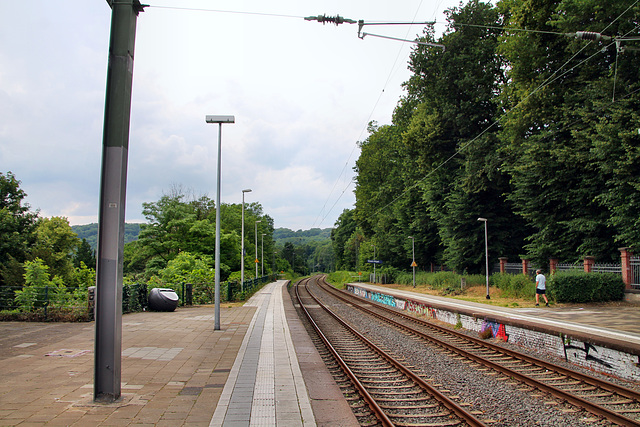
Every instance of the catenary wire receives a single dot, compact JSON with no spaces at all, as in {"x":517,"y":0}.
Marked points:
{"x":391,"y":72}
{"x":547,"y":82}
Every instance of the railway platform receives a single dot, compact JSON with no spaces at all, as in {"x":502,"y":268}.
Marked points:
{"x":260,"y":369}
{"x":601,"y":337}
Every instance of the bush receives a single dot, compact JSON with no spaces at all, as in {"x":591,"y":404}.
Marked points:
{"x":339,"y":278}
{"x":513,"y":285}
{"x":577,"y":286}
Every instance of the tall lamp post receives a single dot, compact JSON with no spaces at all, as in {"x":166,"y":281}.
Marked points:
{"x":257,"y":246}
{"x":486,"y":253}
{"x":219,"y":120}
{"x":413,"y":259}
{"x":248,"y":190}
{"x":262,"y":254}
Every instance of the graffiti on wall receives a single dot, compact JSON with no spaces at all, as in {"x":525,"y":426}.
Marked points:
{"x":497,"y":329}
{"x":587,"y":348}
{"x":383,"y":299}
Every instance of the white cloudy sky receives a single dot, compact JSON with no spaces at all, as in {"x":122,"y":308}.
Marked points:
{"x":302,"y":94}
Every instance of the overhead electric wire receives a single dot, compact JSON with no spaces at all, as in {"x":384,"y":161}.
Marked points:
{"x":238,"y":12}
{"x":391,"y":72}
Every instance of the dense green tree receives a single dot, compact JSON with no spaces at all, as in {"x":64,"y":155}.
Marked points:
{"x":55,"y":245}
{"x":84,"y":254}
{"x":564,"y":164}
{"x":17,"y":225}
{"x":345,"y":226}
{"x":450,"y":111}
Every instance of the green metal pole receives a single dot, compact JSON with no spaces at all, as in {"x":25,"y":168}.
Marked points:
{"x":113,"y":183}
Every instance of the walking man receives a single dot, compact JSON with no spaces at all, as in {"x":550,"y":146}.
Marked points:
{"x":541,"y":288}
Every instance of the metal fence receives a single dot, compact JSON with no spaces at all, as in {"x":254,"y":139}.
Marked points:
{"x":635,"y":272}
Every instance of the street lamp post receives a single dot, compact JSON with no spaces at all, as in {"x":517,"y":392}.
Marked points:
{"x":219,"y":120}
{"x":413,"y":259}
{"x":257,"y":246}
{"x":248,"y":190}
{"x":262,"y":255}
{"x":486,"y":253}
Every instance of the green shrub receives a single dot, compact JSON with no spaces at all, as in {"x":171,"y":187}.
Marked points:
{"x":513,"y":285}
{"x":339,"y":278}
{"x":578,"y":286}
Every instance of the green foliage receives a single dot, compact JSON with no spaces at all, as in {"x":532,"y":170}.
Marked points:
{"x":339,"y":278}
{"x":134,"y":297}
{"x":190,"y":268}
{"x":513,"y":285}
{"x":533,"y":130}
{"x":17,"y":225}
{"x":282,"y":235}
{"x":440,"y":279}
{"x":55,"y":245}
{"x":90,"y":233}
{"x":577,"y":287}
{"x":39,"y":291}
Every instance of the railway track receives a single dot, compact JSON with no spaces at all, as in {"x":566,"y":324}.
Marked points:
{"x":394,"y":394}
{"x":618,"y":405}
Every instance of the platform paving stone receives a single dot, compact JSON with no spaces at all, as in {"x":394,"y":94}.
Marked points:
{"x":175,"y":368}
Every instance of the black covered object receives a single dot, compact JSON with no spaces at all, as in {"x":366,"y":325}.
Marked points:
{"x":161,"y":299}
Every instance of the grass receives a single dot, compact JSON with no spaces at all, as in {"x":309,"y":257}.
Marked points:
{"x":473,"y":294}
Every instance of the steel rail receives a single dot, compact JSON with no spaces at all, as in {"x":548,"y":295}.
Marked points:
{"x":561,"y":394}
{"x":373,"y":405}
{"x":440,"y":397}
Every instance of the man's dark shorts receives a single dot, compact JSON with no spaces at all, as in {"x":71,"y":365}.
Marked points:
{"x":540,"y":291}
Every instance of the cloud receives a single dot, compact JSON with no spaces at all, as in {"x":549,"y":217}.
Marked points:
{"x":302,"y":94}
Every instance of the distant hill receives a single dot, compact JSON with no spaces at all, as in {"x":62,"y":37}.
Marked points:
{"x":90,"y":232}
{"x":300,"y":237}
{"x":280,"y":235}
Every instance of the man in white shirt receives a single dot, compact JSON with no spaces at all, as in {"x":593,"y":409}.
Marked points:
{"x":541,"y":287}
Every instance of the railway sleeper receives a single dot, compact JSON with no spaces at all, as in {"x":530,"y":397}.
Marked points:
{"x":390,"y":382}
{"x":440,"y":424}
{"x":394,"y":393}
{"x":427,"y":415}
{"x":418,"y":406}
{"x":399,"y":389}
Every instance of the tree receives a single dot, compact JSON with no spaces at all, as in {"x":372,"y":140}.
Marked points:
{"x":450,"y":114}
{"x":560,"y":125}
{"x":17,"y":225}
{"x":345,"y":226}
{"x":55,"y":245}
{"x":84,"y":254}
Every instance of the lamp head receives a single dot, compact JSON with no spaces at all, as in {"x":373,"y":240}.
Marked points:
{"x":220,"y":119}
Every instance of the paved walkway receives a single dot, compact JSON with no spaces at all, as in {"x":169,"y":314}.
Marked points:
{"x":176,"y":370}
{"x":265,"y":387}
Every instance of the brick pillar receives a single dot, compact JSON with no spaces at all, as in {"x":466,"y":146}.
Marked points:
{"x":525,"y":266}
{"x":553,"y":265}
{"x":625,"y":258}
{"x":589,"y":261}
{"x":503,"y":264}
